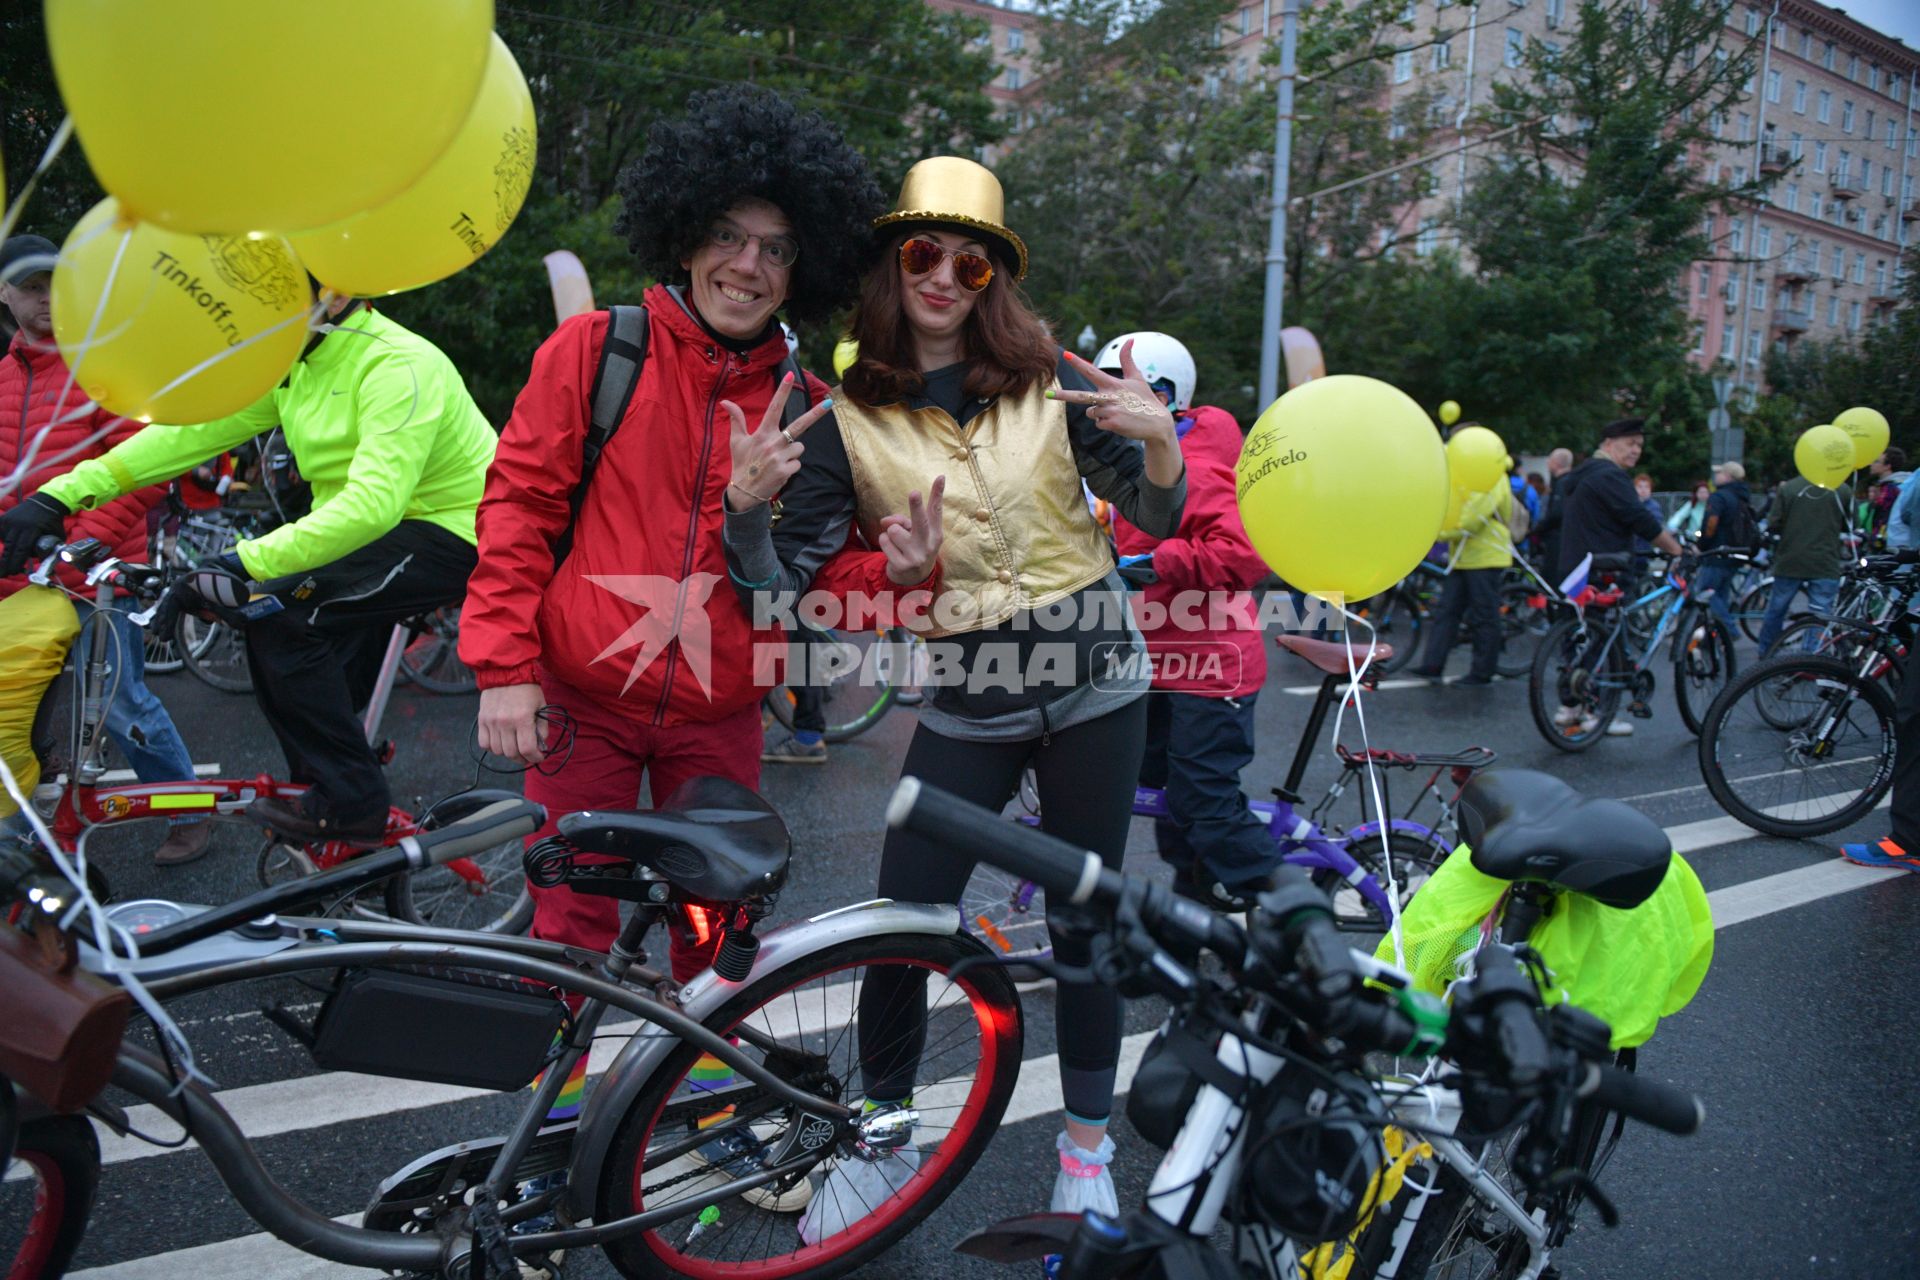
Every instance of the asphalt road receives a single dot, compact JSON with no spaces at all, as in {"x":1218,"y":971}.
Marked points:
{"x":1798,"y":1040}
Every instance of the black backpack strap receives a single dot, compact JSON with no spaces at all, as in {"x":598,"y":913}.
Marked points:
{"x":622,"y":355}
{"x":796,"y":404}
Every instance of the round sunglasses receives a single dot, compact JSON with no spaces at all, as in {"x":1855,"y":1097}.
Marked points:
{"x":920,"y":257}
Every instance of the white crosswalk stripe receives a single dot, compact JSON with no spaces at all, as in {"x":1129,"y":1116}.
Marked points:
{"x":319,"y":1101}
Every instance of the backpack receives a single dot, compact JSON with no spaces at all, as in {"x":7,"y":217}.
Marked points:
{"x":622,"y":356}
{"x":1519,"y":519}
{"x":1740,"y":530}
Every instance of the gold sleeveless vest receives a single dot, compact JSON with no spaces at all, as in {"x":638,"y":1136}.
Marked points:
{"x":1018,"y":532}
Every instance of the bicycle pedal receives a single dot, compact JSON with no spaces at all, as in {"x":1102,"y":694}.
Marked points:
{"x":1640,"y":711}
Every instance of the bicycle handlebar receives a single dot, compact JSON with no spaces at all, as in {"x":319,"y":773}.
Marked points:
{"x":1648,"y":1101}
{"x":497,"y":823}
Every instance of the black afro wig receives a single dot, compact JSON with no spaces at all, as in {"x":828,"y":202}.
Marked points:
{"x":742,"y":141}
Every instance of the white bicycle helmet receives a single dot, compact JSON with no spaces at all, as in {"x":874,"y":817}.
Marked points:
{"x":1160,"y":357}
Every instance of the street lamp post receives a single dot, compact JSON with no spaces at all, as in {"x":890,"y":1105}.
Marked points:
{"x":1277,"y":228}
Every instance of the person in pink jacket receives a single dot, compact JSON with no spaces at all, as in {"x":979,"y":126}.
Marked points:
{"x":1198,"y":617}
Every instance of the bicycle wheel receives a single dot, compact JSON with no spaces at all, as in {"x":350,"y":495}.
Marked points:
{"x":215,"y":652}
{"x":1396,"y":616}
{"x":1751,"y":608}
{"x":1414,"y":862}
{"x":1573,"y":698}
{"x":61,"y":1157}
{"x":857,"y":672}
{"x":808,"y":1013}
{"x":486,"y":891}
{"x":1524,"y":621}
{"x":1008,"y":914}
{"x":432,"y":660}
{"x":1703,"y":665}
{"x":1829,"y":765}
{"x":1459,"y":1235}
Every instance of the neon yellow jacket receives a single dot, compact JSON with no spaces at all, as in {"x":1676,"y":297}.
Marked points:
{"x":380,"y":423}
{"x":1482,"y":541}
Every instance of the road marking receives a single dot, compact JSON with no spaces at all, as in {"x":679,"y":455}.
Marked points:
{"x":1036,"y":1095}
{"x":1708,"y":832}
{"x":1308,"y":690}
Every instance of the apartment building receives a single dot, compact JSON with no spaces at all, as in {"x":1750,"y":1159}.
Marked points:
{"x":1012,"y":38}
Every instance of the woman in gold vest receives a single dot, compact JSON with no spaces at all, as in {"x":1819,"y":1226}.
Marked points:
{"x":960,"y":395}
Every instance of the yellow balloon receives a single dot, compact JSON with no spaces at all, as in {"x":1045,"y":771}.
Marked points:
{"x":165,"y":327}
{"x":1868,"y":427}
{"x":845,"y":352}
{"x":457,"y":210}
{"x":1824,"y":455}
{"x":1474,"y":457}
{"x":244,"y":115}
{"x":1456,"y":506}
{"x":1316,"y":500}
{"x":1449,"y":412}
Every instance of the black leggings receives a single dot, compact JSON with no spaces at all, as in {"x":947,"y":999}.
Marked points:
{"x":1085,"y":776}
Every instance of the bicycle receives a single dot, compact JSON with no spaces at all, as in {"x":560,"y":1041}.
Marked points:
{"x":860,"y":675}
{"x":485,"y":1010}
{"x":1588,"y":662}
{"x":1803,"y":744}
{"x":1401,"y":614}
{"x":1349,"y":864}
{"x":1259,"y":1087}
{"x":431,"y":658}
{"x":485,"y":891}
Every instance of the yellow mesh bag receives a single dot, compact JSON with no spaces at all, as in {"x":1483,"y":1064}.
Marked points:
{"x":1630,"y":967}
{"x":37,"y":626}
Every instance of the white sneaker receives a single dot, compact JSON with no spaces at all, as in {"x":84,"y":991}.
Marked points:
{"x":853,"y":1189}
{"x":1564,"y":716}
{"x":737,"y":1153}
{"x":1620,"y":728}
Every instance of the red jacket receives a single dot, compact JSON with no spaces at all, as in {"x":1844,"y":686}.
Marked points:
{"x":32,"y":378}
{"x":1205,"y":572}
{"x":648,"y":542}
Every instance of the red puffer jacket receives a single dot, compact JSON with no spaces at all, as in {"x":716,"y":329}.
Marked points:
{"x":1198,"y":619}
{"x":642,"y":612}
{"x":32,"y":377}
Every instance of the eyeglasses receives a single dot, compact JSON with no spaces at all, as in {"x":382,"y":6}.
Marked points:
{"x":921,"y":257}
{"x":780,"y":252}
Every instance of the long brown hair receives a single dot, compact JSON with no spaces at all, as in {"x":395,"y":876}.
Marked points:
{"x":1008,"y":349}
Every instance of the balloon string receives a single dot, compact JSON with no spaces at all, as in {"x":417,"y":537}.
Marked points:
{"x":1352,"y":694}
{"x":93,"y":325}
{"x":304,"y":320}
{"x":55,"y":146}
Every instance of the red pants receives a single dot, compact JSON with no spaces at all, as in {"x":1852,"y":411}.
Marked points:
{"x":611,"y":753}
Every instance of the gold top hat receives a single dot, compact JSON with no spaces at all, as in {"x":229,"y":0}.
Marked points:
{"x":955,"y":191}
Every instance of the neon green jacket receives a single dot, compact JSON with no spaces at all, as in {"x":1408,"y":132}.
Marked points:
{"x":380,"y":423}
{"x":1482,"y":541}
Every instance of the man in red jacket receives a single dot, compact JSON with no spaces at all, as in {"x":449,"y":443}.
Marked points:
{"x":1198,"y":619}
{"x":47,"y":427}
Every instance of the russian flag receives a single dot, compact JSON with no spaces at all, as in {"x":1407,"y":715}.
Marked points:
{"x":1577,"y":580}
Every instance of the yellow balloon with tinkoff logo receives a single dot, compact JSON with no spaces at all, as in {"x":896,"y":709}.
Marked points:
{"x":1342,"y":484}
{"x":458,"y":209}
{"x":1824,"y":455}
{"x":1868,"y":428}
{"x":162,"y":326}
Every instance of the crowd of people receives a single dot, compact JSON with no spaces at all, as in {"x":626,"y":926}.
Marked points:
{"x":668,"y":475}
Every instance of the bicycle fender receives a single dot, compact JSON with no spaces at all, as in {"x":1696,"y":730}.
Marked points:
{"x":1404,"y":826}
{"x":644,"y":1053}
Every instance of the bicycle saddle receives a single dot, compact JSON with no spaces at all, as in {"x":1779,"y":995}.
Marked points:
{"x":1330,"y":655}
{"x":713,"y":838}
{"x":1523,"y":825}
{"x":1612,"y":562}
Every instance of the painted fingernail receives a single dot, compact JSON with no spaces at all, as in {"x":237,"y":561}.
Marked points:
{"x":827,"y":403}
{"x":1049,"y":393}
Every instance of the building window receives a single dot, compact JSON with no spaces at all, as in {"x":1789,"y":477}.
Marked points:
{"x":1853,"y":67}
{"x":1846,"y":116}
{"x":1880,"y":277}
{"x":1859,"y":267}
{"x":1826,"y":59}
{"x":1793,"y":197}
{"x":1726,"y":342}
{"x":1843,"y":168}
{"x":1733,"y":289}
{"x":1753,"y":348}
{"x":1800,"y":96}
{"x":1403,"y":66}
{"x":1816,"y":205}
{"x":1825,"y":113}
{"x":1442,"y":54}
{"x":1016,"y":39}
{"x":1556,"y":11}
{"x":1753,"y":22}
{"x":1757,"y":295}
{"x":1838,"y":261}
{"x":1892,"y":128}
{"x":1833,"y":308}
{"x":1795,"y":144}
{"x":1516,"y":42}
{"x":1886,"y":181}
{"x":1246,"y":22}
{"x":1746,"y":127}
{"x":1806,"y":45}
{"x":1773,"y":86}
{"x":1737,"y":236}
{"x":1705,"y":281}
{"x":1013,"y":77}
{"x":1763,"y":240}
{"x":1873,"y":78}
{"x":1853,"y":316}
{"x":1819,"y":157}
{"x":1428,"y":240}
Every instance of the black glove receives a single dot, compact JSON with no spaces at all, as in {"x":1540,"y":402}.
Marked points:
{"x":1138,"y":571}
{"x":216,"y":589}
{"x":35,"y":517}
